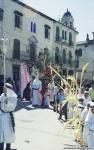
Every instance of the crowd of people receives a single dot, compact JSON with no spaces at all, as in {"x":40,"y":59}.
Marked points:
{"x":70,"y":103}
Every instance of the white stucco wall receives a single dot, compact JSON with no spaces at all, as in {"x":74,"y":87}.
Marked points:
{"x":24,"y":34}
{"x":87,"y":57}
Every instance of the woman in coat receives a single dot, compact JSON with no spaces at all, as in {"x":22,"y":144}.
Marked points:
{"x":8,"y":100}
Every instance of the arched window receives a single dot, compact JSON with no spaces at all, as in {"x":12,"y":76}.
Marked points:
{"x":57,"y":55}
{"x":57,"y":34}
{"x":62,"y":34}
{"x":70,"y":58}
{"x":16,"y":49}
{"x":65,"y":35}
{"x":70,"y":39}
{"x":64,"y":56}
{"x":31,"y":26}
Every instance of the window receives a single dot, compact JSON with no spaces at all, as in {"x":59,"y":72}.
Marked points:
{"x":70,"y":39}
{"x":57,"y":55}
{"x":65,"y":35}
{"x":16,"y":50}
{"x":62,"y":34}
{"x":16,"y":73}
{"x":1,"y":14}
{"x":33,"y":27}
{"x":64,"y":56}
{"x":32,"y":52}
{"x":47,"y":31}
{"x":70,"y":58}
{"x":18,"y":19}
{"x":57,"y":34}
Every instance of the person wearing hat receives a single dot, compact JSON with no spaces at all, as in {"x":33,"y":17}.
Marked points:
{"x":89,"y":125}
{"x":8,"y":101}
{"x":87,"y":98}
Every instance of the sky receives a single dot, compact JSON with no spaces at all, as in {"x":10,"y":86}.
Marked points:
{"x":81,"y":10}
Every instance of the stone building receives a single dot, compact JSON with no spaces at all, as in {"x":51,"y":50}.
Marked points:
{"x":87,"y":48}
{"x":28,"y":33}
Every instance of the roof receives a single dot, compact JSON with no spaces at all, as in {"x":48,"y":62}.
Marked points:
{"x":32,"y":9}
{"x":40,"y":13}
{"x":90,"y":42}
{"x":81,"y":42}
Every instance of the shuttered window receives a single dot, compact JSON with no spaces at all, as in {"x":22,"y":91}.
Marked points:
{"x":18,"y":19}
{"x":16,"y":49}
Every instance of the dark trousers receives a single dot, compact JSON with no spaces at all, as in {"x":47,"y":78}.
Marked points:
{"x":8,"y":146}
{"x":63,"y":111}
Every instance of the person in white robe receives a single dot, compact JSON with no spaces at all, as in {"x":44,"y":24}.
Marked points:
{"x":83,"y":117}
{"x":36,"y":92}
{"x":8,"y":101}
{"x":89,"y":125}
{"x":51,"y":86}
{"x":56,"y":101}
{"x":47,"y":98}
{"x":31,"y":83}
{"x":87,"y":98}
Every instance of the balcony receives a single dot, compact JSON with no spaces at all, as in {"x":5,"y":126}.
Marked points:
{"x":71,"y":44}
{"x":64,"y":42}
{"x":61,"y":41}
{"x":25,"y":56}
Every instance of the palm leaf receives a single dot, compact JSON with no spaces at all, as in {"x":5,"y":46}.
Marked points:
{"x":83,"y":70}
{"x":64,"y":81}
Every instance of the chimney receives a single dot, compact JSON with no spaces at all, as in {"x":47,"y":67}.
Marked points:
{"x":93,"y":35}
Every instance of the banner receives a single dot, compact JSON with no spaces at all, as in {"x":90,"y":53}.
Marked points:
{"x":25,"y":78}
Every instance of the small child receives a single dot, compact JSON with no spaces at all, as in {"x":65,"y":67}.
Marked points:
{"x":56,"y":101}
{"x":61,"y":98}
{"x":47,"y":97}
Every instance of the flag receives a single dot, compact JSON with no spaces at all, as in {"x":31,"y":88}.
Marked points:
{"x":25,"y":78}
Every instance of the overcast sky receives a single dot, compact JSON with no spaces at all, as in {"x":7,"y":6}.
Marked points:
{"x":82,"y":11}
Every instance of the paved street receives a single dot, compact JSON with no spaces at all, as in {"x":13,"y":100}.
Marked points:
{"x":39,"y":129}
